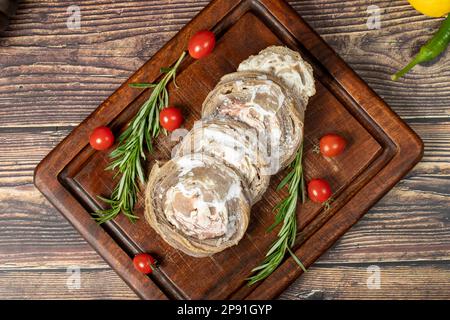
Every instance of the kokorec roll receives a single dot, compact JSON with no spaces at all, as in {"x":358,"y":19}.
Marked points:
{"x":252,"y":126}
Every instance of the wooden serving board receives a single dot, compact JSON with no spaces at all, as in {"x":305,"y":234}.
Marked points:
{"x":381,"y":150}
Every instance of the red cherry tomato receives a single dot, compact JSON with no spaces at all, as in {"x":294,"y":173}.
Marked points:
{"x":332,"y":145}
{"x":101,"y":138}
{"x":170,"y":118}
{"x":144,"y":263}
{"x":201,"y":44}
{"x":319,"y":190}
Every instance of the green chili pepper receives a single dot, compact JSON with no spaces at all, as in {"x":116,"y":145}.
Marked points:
{"x":433,"y":48}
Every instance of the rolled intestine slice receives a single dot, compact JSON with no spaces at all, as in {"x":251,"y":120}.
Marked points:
{"x":264,"y":104}
{"x":235,"y":144}
{"x":288,"y":67}
{"x":197,"y":204}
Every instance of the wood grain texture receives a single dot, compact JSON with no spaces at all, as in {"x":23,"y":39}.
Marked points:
{"x":407,"y":281}
{"x":51,"y":78}
{"x":382,"y":150}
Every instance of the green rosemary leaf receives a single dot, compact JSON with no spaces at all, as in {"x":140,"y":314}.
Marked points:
{"x":140,"y":172}
{"x":166,"y":97}
{"x":286,"y":212}
{"x":285,"y":180}
{"x":106,"y":200}
{"x":296,"y":259}
{"x":278,"y":219}
{"x":276,"y":246}
{"x":303,"y":188}
{"x":165,"y":70}
{"x":263,"y":266}
{"x":142,"y":85}
{"x":148,"y":139}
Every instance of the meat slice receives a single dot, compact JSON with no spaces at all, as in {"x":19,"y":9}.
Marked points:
{"x":197,"y":204}
{"x":288,"y":67}
{"x":234,"y":143}
{"x":264,"y":104}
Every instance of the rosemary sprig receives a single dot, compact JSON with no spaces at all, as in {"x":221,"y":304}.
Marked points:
{"x":133,"y":142}
{"x":286,"y":214}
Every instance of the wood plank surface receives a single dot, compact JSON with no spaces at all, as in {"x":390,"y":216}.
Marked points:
{"x":52,"y":77}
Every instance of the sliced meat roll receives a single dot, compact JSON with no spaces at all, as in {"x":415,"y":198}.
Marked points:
{"x":235,"y":144}
{"x":261,"y":102}
{"x":289,"y":67}
{"x":197,"y":204}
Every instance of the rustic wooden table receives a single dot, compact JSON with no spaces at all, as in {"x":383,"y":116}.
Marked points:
{"x":52,"y":77}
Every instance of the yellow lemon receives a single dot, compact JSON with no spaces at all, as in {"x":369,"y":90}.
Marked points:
{"x":432,"y":8}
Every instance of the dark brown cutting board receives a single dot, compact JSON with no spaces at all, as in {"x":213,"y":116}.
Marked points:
{"x":381,"y":150}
